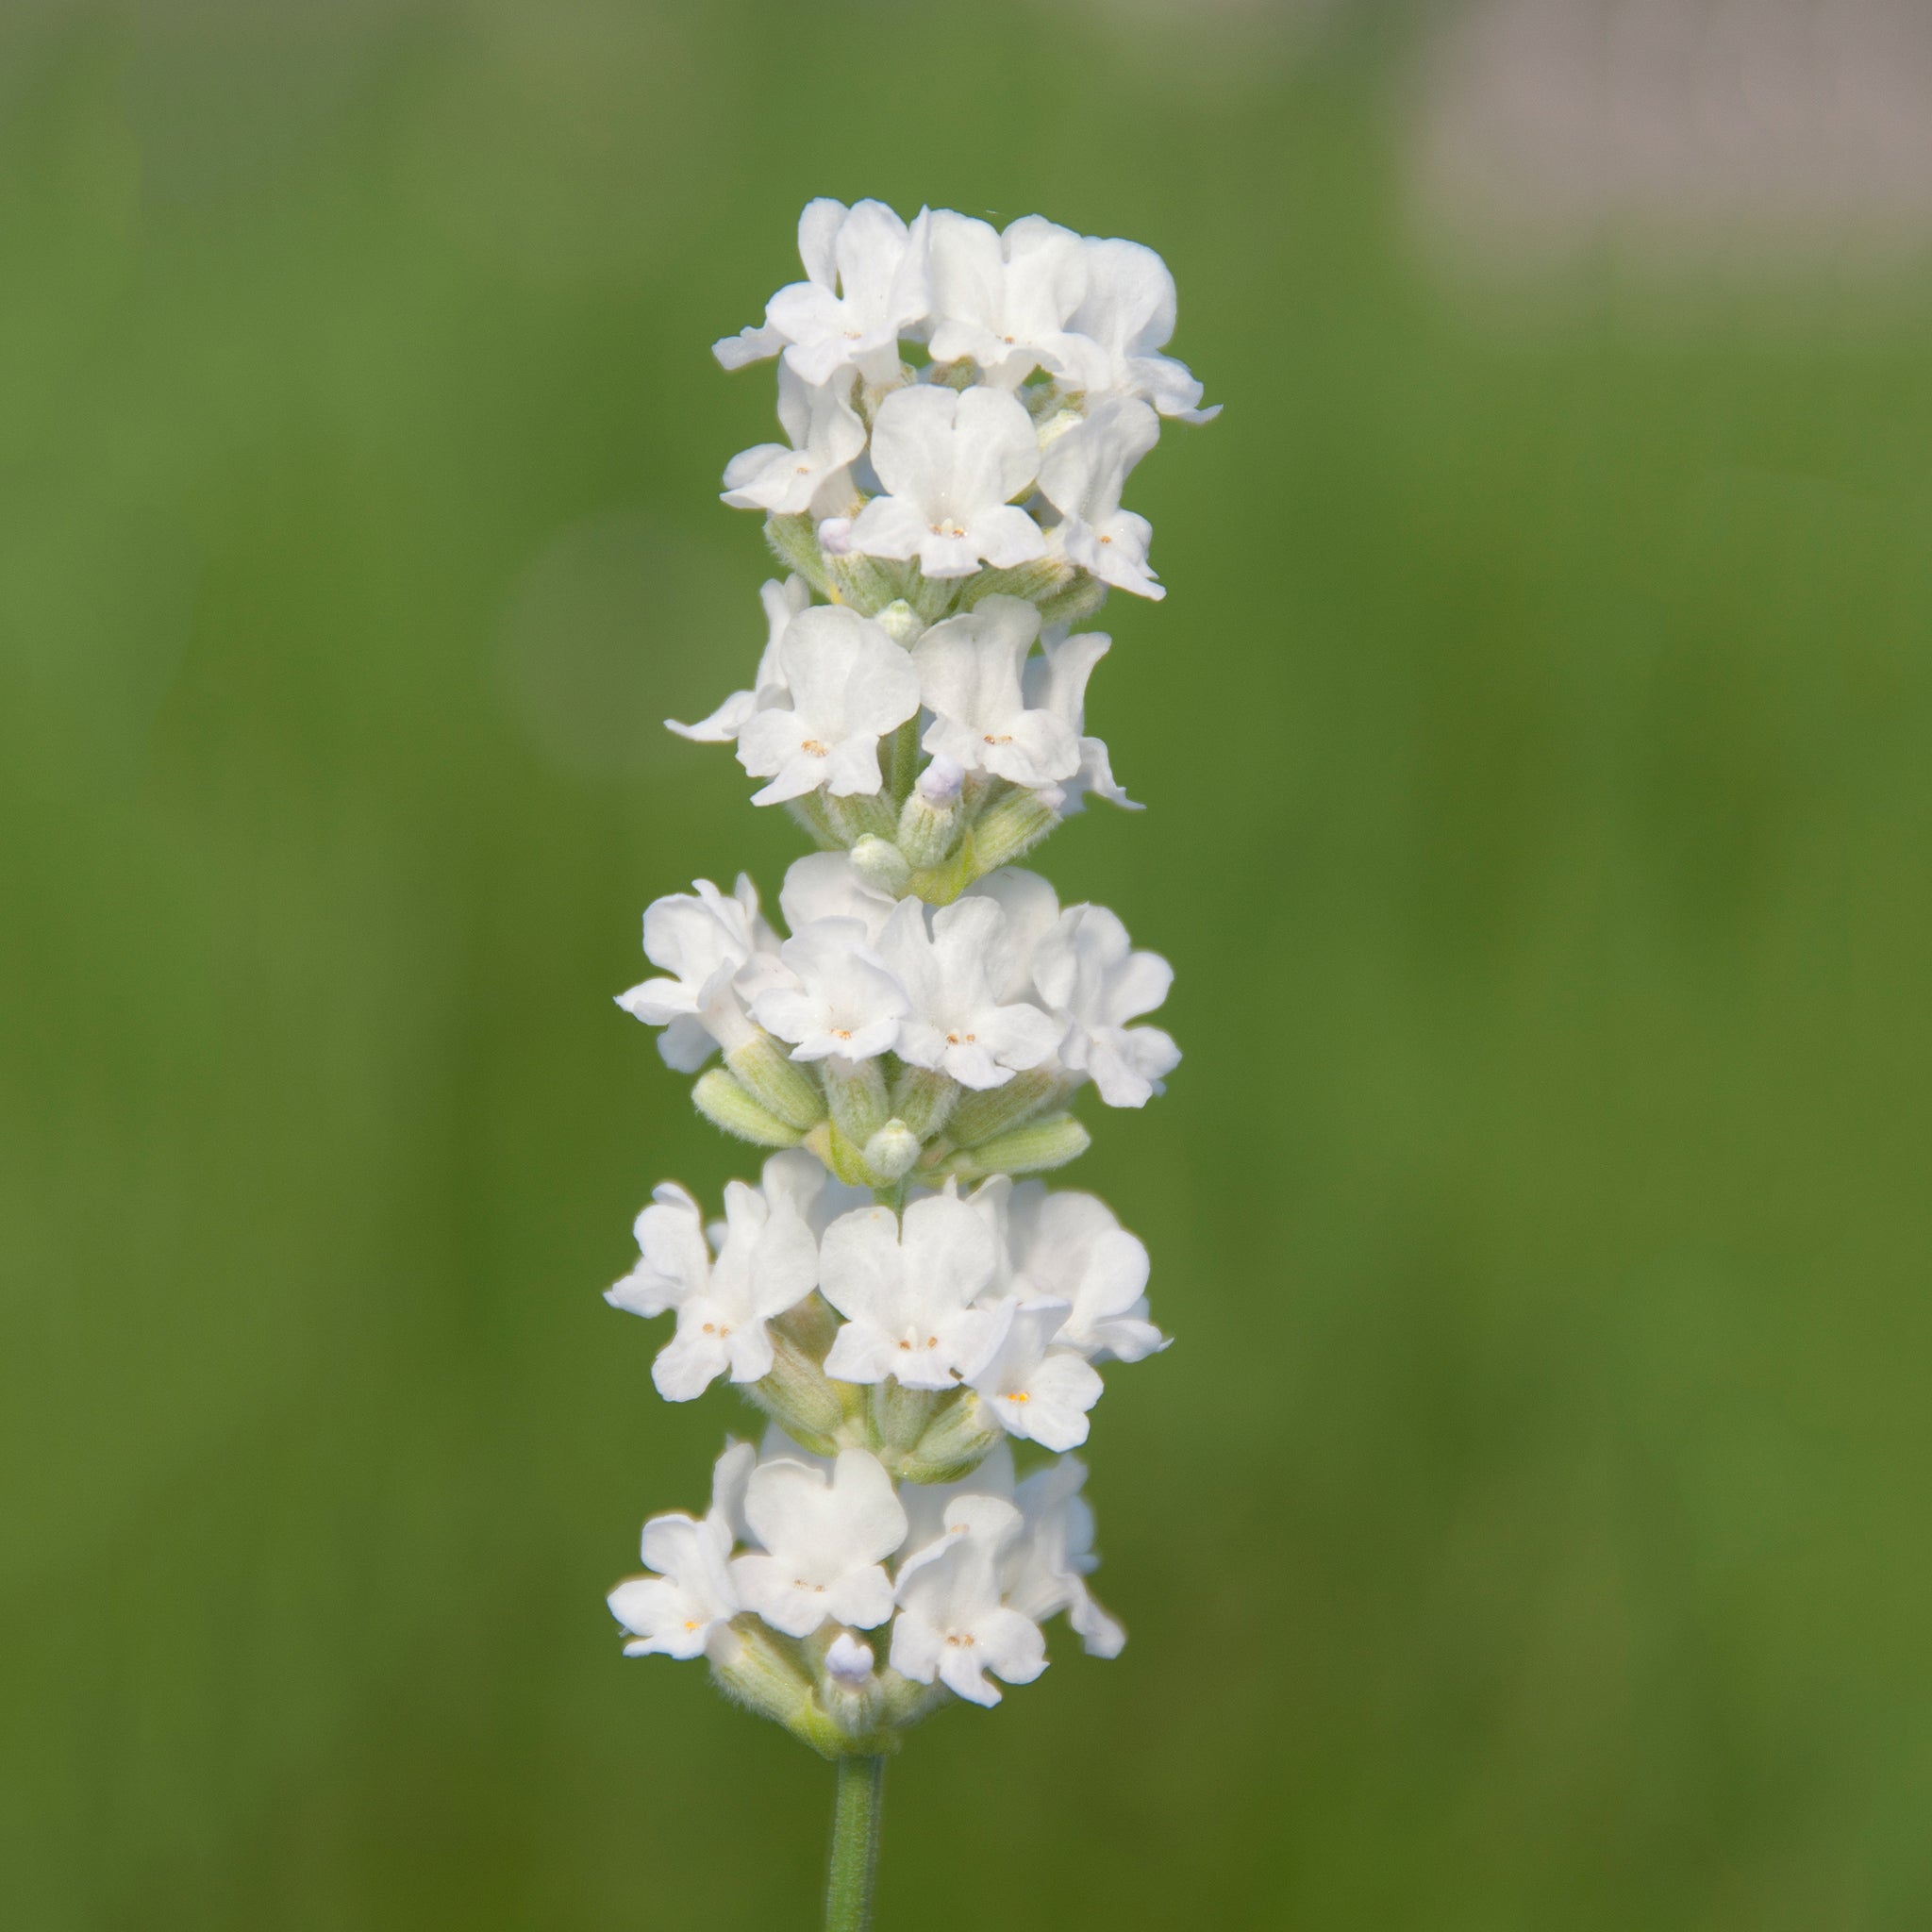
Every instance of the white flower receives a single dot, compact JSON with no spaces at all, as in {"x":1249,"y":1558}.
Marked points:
{"x":845,"y":1000}
{"x":953,"y":973}
{"x":826,"y":885}
{"x":1004,"y":300}
{"x":926,"y":1502}
{"x":1036,"y":1391}
{"x":953,"y":1624}
{"x":850,"y":684}
{"x":675,"y":1612}
{"x":906,"y":1292}
{"x":825,"y":434}
{"x":716,"y":951}
{"x":1070,"y":1246}
{"x":990,"y":1200}
{"x":1050,"y":1563}
{"x":970,"y":680}
{"x":1089,"y":976}
{"x":782,"y":602}
{"x":1082,"y":476}
{"x":867,"y":287}
{"x":1128,"y":313}
{"x":1056,"y":681}
{"x":798,"y":1180}
{"x":951,"y":462}
{"x":824,"y":1544}
{"x":767,"y":1262}
{"x":1031,"y":908}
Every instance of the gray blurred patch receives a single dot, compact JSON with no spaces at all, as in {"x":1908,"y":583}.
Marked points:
{"x":1700,"y":136}
{"x":619,"y":622}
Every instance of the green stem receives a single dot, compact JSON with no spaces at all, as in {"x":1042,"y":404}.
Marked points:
{"x":855,"y":1844}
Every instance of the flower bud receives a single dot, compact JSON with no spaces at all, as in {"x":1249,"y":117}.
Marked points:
{"x":923,"y":1100}
{"x":900,"y":1417}
{"x":1033,"y":581}
{"x":797,"y":1395}
{"x":980,"y":1116}
{"x":856,"y":1092}
{"x":759,"y":1670}
{"x":860,"y":816}
{"x":866,"y":583}
{"x":881,"y":863}
{"x":892,"y":1152}
{"x":906,"y":1703}
{"x":956,"y":1440}
{"x":794,"y":542}
{"x":727,"y":1104}
{"x":1009,"y":829}
{"x":852,"y":1693}
{"x":930,"y":820}
{"x":1079,"y":600}
{"x":839,"y":1155}
{"x":900,"y":622}
{"x":776,"y":1081}
{"x":1030,"y":1149}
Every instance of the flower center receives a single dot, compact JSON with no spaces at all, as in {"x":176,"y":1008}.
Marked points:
{"x":1004,"y":738}
{"x":960,"y":1038}
{"x":960,"y":1639}
{"x":816,"y":746}
{"x":1019,"y":1395}
{"x":951,"y":529}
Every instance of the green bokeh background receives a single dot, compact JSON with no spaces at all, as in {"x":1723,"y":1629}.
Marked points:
{"x":1528,"y":1529}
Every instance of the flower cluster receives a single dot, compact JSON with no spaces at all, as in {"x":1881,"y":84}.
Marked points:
{"x":903,"y":1308}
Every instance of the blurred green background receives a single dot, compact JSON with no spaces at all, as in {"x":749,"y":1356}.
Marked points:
{"x":1529,"y":1528}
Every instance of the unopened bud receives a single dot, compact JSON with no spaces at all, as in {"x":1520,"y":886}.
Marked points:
{"x":900,"y":622}
{"x":927,"y":831}
{"x":866,"y":583}
{"x":797,"y":1395}
{"x":1009,"y":831}
{"x":956,"y":1440}
{"x":855,"y":1091}
{"x":1080,"y":599}
{"x":890,"y":1152}
{"x":1034,"y":581}
{"x":980,"y":1116}
{"x":1032,"y":1149}
{"x":776,"y":1081}
{"x":900,"y":1416}
{"x":862,"y":815}
{"x":880,"y":863}
{"x":839,"y":1155}
{"x":794,"y":542}
{"x":923,"y":1100}
{"x":727,"y":1104}
{"x":754,"y":1667}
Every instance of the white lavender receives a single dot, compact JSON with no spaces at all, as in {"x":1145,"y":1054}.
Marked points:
{"x":903,"y":1307}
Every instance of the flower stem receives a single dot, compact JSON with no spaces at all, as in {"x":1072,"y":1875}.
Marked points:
{"x":855,"y":1844}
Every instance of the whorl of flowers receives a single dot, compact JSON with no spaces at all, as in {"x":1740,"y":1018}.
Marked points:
{"x":905,"y":1309}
